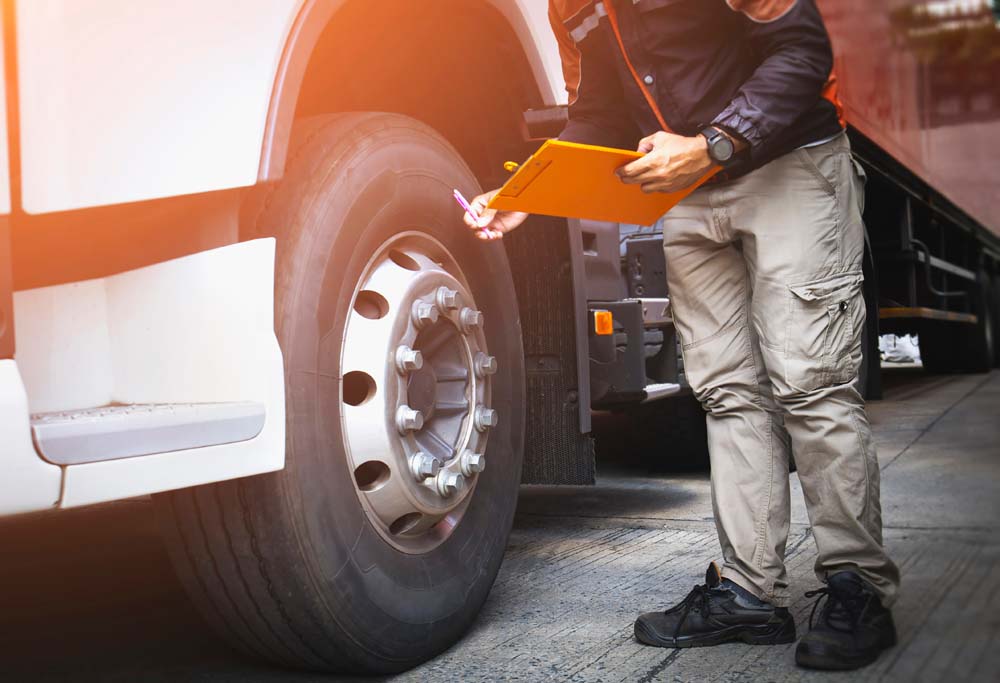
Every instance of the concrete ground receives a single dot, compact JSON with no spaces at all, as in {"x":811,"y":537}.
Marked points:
{"x":88,"y":595}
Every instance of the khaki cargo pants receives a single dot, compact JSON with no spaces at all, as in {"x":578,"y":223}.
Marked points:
{"x":766,"y":286}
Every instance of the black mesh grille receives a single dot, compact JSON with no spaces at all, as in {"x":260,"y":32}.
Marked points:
{"x":555,"y":451}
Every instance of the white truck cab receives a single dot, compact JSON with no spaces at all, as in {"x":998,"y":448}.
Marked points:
{"x":228,"y":249}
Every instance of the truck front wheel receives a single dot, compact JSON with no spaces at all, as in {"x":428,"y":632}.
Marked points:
{"x":374,"y":549}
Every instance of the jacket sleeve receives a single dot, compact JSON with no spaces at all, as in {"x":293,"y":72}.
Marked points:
{"x":598,"y":114}
{"x":796,"y":60}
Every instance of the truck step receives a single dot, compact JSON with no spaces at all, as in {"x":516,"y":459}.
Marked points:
{"x":654,"y":392}
{"x":113,"y":432}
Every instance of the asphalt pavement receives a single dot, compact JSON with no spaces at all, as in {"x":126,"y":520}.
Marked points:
{"x":88,"y":595}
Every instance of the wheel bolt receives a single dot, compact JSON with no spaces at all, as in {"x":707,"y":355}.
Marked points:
{"x":486,"y":418}
{"x":471,"y":320}
{"x":448,"y":299}
{"x":472,"y":463}
{"x":424,"y":466}
{"x":449,"y":483}
{"x":408,"y":419}
{"x":408,"y":360}
{"x":485,"y":365}
{"x":424,"y":314}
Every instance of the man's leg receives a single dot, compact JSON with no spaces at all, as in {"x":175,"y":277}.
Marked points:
{"x":710,"y":296}
{"x":800,"y":222}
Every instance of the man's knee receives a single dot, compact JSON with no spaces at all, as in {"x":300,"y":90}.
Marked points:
{"x":722,"y":370}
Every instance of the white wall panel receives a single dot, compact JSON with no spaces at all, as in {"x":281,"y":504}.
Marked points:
{"x":125,"y":101}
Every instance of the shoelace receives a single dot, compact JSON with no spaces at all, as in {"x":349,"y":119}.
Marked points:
{"x":838,"y":608}
{"x":696,"y":599}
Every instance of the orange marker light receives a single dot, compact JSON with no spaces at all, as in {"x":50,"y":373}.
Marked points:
{"x":604,"y":323}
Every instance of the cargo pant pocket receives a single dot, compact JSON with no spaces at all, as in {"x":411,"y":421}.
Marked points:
{"x":823,"y":340}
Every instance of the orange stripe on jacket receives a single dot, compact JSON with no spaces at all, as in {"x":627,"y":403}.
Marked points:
{"x":569,"y":54}
{"x":830,"y":93}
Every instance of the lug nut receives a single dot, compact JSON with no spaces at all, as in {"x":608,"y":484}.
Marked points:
{"x":408,"y":419}
{"x":424,"y":314}
{"x":470,"y":319}
{"x":472,"y":463}
{"x":449,"y":483}
{"x":485,"y":365}
{"x":448,"y":299}
{"x":408,"y":360}
{"x":486,"y":418}
{"x":424,"y":466}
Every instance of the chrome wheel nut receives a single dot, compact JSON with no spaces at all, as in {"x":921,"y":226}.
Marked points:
{"x":472,"y":463}
{"x":449,"y":483}
{"x":486,"y":418}
{"x":424,"y":466}
{"x":485,"y":365}
{"x":424,"y":314}
{"x":409,"y":420}
{"x":471,"y":320}
{"x":447,"y":299}
{"x":408,"y":360}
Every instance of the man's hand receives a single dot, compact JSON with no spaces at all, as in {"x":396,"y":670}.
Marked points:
{"x":492,"y":224}
{"x":672,"y":163}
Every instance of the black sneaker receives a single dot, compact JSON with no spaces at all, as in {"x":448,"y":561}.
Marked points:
{"x":718,"y":612}
{"x":853,"y":626}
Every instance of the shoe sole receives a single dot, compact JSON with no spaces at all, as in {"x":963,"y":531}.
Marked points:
{"x":767,"y":634}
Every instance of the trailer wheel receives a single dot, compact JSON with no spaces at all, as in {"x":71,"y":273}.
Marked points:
{"x":374,"y":549}
{"x":947,"y":347}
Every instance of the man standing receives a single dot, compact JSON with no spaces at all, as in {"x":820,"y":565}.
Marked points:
{"x":764,"y":270}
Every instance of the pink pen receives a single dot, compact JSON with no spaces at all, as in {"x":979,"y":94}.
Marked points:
{"x":465,"y":205}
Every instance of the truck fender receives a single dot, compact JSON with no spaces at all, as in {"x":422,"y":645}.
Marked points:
{"x":527,"y":18}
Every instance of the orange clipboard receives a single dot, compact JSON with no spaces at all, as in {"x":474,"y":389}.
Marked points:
{"x":571,"y":180}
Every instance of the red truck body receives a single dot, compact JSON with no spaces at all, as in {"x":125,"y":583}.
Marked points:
{"x":922,"y":81}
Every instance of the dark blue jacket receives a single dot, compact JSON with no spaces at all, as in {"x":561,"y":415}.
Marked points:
{"x":761,"y":69}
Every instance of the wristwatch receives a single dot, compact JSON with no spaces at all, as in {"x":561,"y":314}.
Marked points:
{"x":720,"y":148}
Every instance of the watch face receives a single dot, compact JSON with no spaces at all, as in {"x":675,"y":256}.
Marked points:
{"x":722,"y":149}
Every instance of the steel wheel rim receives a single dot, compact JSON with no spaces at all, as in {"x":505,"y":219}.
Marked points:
{"x":415,"y":392}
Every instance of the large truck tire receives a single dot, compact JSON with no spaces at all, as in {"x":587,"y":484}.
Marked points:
{"x":375,"y":547}
{"x":947,"y":347}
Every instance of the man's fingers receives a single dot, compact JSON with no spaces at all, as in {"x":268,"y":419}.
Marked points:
{"x":486,"y":216}
{"x":649,"y":176}
{"x":489,"y":235}
{"x":660,"y":186}
{"x":647,"y":144}
{"x":635,"y":168}
{"x":479,"y":203}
